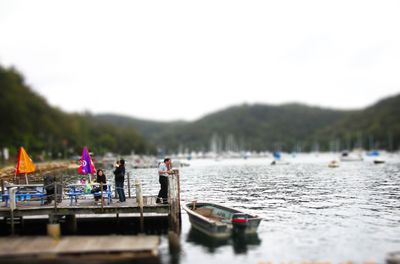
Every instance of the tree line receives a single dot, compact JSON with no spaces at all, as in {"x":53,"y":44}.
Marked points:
{"x":26,"y":119}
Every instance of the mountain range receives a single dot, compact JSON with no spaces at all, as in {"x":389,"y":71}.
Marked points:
{"x":288,"y":127}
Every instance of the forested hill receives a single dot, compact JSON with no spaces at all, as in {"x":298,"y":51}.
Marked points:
{"x":26,"y":119}
{"x":290,"y":127}
{"x":377,"y":126}
{"x":150,"y":129}
{"x":252,"y":127}
{"x":259,"y":127}
{"x":255,"y":127}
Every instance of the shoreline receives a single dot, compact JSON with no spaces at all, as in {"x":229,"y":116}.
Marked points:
{"x":8,"y":173}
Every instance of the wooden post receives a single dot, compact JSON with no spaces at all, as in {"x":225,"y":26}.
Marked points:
{"x":139,"y":200}
{"x":116,"y":196}
{"x":62,"y":188}
{"x":13,"y":205}
{"x":22,"y":222}
{"x":55,"y":196}
{"x":12,"y":222}
{"x":53,"y":227}
{"x":72,"y":224}
{"x":101,"y":196}
{"x":174,"y":216}
{"x":174,"y":202}
{"x":174,"y":243}
{"x":54,"y":231}
{"x":129,"y":185}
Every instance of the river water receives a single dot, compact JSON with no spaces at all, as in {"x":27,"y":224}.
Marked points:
{"x":310,"y":212}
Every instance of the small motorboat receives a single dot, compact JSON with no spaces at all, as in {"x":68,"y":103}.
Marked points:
{"x":333,"y":164}
{"x":220,"y":221}
{"x":379,"y":160}
{"x":350,"y":156}
{"x":280,"y":162}
{"x":278,"y":159}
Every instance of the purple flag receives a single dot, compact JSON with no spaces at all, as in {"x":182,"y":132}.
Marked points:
{"x":86,"y":163}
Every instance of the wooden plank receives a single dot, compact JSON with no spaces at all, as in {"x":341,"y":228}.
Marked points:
{"x":34,"y":245}
{"x":24,"y":246}
{"x":10,"y":245}
{"x":35,"y":204}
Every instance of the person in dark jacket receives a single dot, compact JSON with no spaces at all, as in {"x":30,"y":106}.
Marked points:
{"x":48,"y":184}
{"x":100,"y":179}
{"x":119,"y":173}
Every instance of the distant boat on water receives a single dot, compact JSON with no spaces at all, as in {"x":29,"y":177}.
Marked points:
{"x":333,"y":164}
{"x":350,"y":156}
{"x":379,"y":160}
{"x":278,"y":160}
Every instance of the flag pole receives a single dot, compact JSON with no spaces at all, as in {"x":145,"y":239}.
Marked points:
{"x":17,"y":167}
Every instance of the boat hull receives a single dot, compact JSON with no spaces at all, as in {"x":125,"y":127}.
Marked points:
{"x":280,"y":162}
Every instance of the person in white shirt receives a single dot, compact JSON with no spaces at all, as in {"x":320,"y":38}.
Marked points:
{"x":163,"y":170}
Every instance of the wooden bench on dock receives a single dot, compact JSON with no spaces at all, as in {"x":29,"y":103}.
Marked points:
{"x":26,"y":192}
{"x":78,"y":190}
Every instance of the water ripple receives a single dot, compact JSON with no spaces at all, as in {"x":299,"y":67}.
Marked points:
{"x":309,"y":211}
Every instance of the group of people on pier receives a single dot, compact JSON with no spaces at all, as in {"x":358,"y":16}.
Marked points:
{"x":164,"y":170}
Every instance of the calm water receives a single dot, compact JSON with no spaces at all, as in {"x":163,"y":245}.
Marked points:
{"x":310,"y":212}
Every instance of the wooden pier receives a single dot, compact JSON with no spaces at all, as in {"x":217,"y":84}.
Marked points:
{"x":80,"y":247}
{"x":70,"y":213}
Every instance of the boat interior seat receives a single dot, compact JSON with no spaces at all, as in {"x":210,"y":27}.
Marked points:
{"x":207,"y":212}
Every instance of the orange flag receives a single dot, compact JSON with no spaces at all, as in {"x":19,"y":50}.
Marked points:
{"x":24,"y":164}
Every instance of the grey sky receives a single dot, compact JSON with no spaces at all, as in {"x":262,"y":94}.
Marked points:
{"x":182,"y":59}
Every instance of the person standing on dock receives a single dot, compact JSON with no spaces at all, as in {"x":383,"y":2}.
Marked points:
{"x":119,"y":173}
{"x":163,"y":170}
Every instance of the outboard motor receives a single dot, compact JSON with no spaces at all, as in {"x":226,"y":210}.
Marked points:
{"x":239,"y":222}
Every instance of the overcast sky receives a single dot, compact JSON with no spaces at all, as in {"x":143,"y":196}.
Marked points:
{"x":169,"y":60}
